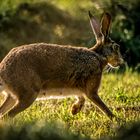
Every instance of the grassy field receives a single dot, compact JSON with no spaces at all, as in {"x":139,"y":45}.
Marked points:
{"x":121,"y":92}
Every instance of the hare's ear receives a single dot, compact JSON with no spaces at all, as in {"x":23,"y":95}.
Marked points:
{"x":105,"y":24}
{"x":95,"y":27}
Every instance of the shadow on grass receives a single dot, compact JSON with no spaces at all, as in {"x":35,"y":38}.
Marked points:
{"x":42,"y":130}
{"x":37,"y":131}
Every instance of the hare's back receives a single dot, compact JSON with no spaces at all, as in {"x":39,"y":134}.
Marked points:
{"x":50,"y":62}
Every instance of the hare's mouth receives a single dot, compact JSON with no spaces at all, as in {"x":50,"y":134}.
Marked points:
{"x":113,"y":66}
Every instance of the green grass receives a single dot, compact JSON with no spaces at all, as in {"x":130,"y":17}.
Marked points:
{"x":121,"y":92}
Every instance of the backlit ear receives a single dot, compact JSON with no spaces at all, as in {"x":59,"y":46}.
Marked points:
{"x":105,"y":24}
{"x":95,"y":27}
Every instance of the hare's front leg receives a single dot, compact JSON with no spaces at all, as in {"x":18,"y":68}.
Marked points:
{"x":76,"y":107}
{"x":93,"y":96}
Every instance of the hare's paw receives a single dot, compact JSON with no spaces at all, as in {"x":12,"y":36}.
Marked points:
{"x":76,"y":108}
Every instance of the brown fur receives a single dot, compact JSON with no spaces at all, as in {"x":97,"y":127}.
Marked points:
{"x":40,"y":69}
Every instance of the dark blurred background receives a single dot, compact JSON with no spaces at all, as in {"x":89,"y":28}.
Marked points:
{"x":67,"y":22}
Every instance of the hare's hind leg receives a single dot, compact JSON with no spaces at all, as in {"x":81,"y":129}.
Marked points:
{"x":7,"y":105}
{"x":25,"y":99}
{"x":76,"y":107}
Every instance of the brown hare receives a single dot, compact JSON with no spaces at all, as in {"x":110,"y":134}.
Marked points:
{"x":43,"y":70}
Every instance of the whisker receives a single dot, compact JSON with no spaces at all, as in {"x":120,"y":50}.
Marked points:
{"x":110,"y":69}
{"x":106,"y":69}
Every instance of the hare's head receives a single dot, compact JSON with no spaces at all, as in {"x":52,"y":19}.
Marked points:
{"x":105,"y":46}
